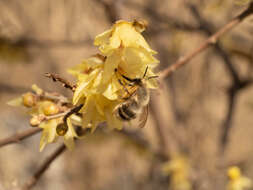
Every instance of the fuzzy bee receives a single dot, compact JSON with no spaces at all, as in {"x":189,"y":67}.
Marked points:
{"x":135,"y":101}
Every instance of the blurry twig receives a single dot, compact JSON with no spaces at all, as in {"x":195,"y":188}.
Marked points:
{"x":64,"y":82}
{"x":207,"y":43}
{"x":208,"y":29}
{"x":162,"y":18}
{"x":110,"y":9}
{"x":233,"y":92}
{"x":19,"y":136}
{"x":54,"y":97}
{"x":23,"y":42}
{"x":29,"y":132}
{"x":237,"y":83}
{"x":7,"y":88}
{"x":41,"y":170}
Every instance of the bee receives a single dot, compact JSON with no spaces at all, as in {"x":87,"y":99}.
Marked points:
{"x":136,"y":100}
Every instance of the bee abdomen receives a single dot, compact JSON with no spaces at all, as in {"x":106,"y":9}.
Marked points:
{"x":125,"y":113}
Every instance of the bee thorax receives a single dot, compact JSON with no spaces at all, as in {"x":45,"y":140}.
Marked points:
{"x":142,"y":96}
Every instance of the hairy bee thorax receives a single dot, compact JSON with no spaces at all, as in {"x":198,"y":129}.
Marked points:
{"x":142,"y":95}
{"x":133,"y":106}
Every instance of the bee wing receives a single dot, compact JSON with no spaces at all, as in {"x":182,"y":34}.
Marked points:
{"x":143,"y":117}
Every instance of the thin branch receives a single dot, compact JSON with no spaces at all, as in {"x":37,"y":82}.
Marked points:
{"x":54,"y":97}
{"x":43,"y":168}
{"x":16,"y":138}
{"x":64,"y":82}
{"x":237,"y":83}
{"x":208,"y":29}
{"x":207,"y":43}
{"x":110,"y":10}
{"x":72,"y":111}
{"x":46,"y":118}
{"x":19,"y":136}
{"x":232,"y":99}
{"x":162,"y":18}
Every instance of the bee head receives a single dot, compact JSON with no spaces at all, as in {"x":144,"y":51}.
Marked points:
{"x":138,"y":81}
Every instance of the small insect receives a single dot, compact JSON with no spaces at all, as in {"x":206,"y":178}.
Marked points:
{"x":136,"y":100}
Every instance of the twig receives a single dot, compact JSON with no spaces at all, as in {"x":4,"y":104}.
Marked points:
{"x":64,"y":82}
{"x":208,"y":29}
{"x":207,"y":43}
{"x":43,"y":168}
{"x":19,"y":136}
{"x":46,"y":118}
{"x":110,"y":9}
{"x":161,"y":18}
{"x":237,"y":83}
{"x":72,"y":111}
{"x":232,"y":99}
{"x":16,"y":138}
{"x":57,"y":98}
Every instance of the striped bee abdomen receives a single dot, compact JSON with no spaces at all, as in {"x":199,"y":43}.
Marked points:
{"x":125,"y":113}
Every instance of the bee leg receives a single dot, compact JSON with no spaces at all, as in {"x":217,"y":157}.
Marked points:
{"x":124,"y":87}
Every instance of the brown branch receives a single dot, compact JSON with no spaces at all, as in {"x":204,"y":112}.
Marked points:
{"x":16,"y":138}
{"x":237,"y":83}
{"x":111,"y":10}
{"x":161,"y":18}
{"x":207,"y":43}
{"x":53,"y":97}
{"x":208,"y":29}
{"x":43,"y":168}
{"x":64,"y":82}
{"x":19,"y":136}
{"x":232,"y":99}
{"x":72,"y":111}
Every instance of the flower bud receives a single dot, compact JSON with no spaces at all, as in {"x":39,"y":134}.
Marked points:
{"x":234,"y":173}
{"x":36,"y":120}
{"x":61,"y":129}
{"x":29,"y":99}
{"x":50,"y":108}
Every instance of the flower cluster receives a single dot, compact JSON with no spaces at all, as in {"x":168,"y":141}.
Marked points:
{"x":178,"y":168}
{"x":47,"y":113}
{"x":123,"y":49}
{"x":98,"y":90}
{"x":236,"y":180}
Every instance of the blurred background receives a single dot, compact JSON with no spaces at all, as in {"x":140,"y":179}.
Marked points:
{"x":202,"y":114}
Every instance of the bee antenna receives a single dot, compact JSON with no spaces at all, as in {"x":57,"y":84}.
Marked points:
{"x":145,"y":72}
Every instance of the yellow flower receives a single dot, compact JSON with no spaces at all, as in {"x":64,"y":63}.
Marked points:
{"x":124,"y":52}
{"x":124,"y":34}
{"x":49,"y":134}
{"x":126,"y":49}
{"x":178,"y":169}
{"x":98,"y":109}
{"x":236,"y":180}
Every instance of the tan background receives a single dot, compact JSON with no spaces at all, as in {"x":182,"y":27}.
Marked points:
{"x":51,"y":36}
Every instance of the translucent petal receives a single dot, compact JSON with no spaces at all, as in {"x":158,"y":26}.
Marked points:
{"x":83,"y":87}
{"x":16,"y":102}
{"x":48,"y":133}
{"x":111,"y":64}
{"x":110,"y":92}
{"x":103,"y":38}
{"x":135,"y":62}
{"x":69,"y":136}
{"x":112,"y":121}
